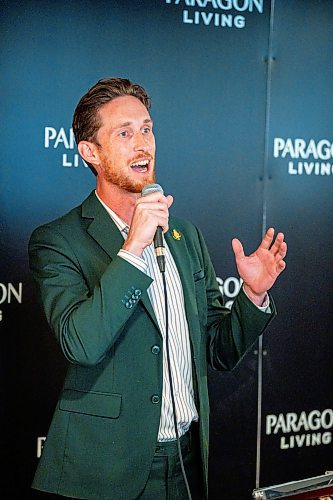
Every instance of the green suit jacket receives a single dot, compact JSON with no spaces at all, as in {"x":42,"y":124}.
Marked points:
{"x":103,"y":433}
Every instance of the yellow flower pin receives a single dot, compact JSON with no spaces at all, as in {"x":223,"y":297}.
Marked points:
{"x":176,"y":234}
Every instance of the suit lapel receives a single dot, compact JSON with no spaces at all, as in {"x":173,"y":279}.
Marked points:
{"x":182,"y":257}
{"x":180,"y":254}
{"x":105,"y":232}
{"x":102,"y":228}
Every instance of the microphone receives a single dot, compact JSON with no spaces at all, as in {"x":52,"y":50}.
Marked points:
{"x":158,"y":238}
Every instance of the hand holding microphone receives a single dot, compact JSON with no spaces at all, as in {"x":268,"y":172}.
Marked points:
{"x":158,"y":238}
{"x":150,"y":220}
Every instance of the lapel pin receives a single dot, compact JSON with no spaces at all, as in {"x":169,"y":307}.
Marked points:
{"x":176,"y":234}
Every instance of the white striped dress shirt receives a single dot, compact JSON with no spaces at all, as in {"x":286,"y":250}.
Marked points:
{"x":179,"y":341}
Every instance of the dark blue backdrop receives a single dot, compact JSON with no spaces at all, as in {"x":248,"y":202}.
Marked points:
{"x":221,"y":96}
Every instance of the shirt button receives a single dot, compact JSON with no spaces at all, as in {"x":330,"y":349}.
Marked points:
{"x":155,"y":349}
{"x":155,"y":399}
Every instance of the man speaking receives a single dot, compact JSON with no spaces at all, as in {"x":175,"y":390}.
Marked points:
{"x":132,"y":418}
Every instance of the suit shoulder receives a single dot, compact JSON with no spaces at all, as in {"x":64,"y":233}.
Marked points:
{"x":67,"y":224}
{"x":61,"y":224}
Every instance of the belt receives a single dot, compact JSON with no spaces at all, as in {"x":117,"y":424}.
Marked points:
{"x":170,"y":448}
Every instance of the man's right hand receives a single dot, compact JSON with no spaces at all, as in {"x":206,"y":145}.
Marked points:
{"x":150,"y":212}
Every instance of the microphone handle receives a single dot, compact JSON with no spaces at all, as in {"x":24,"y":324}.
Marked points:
{"x":159,"y":249}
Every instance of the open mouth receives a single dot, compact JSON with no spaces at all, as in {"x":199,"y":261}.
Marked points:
{"x":140,"y":166}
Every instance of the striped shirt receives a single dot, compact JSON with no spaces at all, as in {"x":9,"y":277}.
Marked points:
{"x":179,"y":341}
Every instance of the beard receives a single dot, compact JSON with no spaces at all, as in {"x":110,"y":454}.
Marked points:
{"x":124,"y":181}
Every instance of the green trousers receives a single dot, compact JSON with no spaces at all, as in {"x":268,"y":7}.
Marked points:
{"x":166,"y":481}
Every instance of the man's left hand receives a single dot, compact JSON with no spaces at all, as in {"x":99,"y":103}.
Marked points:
{"x":260,"y":270}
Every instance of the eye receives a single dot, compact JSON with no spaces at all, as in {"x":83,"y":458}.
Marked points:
{"x":123,"y":133}
{"x":146,"y":130}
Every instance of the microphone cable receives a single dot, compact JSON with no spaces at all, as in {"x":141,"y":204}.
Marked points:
{"x":171,"y":386}
{"x":160,"y":256}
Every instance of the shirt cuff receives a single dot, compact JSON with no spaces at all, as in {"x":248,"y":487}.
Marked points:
{"x":136,"y":261}
{"x":265,"y":307}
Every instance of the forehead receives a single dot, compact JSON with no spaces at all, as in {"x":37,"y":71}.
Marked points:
{"x":124,"y":109}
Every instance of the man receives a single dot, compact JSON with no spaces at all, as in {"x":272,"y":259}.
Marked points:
{"x":113,"y":434}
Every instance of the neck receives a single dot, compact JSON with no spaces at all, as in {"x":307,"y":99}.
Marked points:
{"x":120,"y":201}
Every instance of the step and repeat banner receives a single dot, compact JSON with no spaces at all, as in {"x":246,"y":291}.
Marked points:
{"x":242,"y":102}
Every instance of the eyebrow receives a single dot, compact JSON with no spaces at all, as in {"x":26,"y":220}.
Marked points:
{"x":127,"y":124}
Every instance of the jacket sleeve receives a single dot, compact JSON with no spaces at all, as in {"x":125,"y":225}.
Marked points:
{"x":86,"y":322}
{"x":230,"y":333}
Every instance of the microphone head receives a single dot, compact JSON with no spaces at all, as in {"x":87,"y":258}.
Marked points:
{"x":151,"y":188}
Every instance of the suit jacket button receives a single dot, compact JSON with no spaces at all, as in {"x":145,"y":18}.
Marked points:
{"x":155,"y":349}
{"x":128,"y":305}
{"x":155,"y":399}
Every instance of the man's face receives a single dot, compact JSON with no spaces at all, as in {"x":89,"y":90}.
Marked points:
{"x":127,"y":144}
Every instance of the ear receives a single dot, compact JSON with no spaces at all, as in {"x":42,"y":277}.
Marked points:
{"x":89,"y":152}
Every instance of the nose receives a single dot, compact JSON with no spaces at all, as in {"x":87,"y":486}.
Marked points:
{"x":140,"y":142}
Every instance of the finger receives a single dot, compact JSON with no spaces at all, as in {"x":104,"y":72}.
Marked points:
{"x":165,"y":228}
{"x":169,"y":200}
{"x":158,"y":220}
{"x":277,"y":243}
{"x":237,"y":248}
{"x":157,"y":196}
{"x":267,"y":239}
{"x":152,"y":207}
{"x":281,"y":266}
{"x":282,"y":250}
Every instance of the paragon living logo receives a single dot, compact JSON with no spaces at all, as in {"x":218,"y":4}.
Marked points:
{"x":221,"y":13}
{"x":304,"y":429}
{"x":305,"y":157}
{"x":64,"y":140}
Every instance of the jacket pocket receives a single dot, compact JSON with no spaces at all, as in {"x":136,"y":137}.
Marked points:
{"x":98,"y":404}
